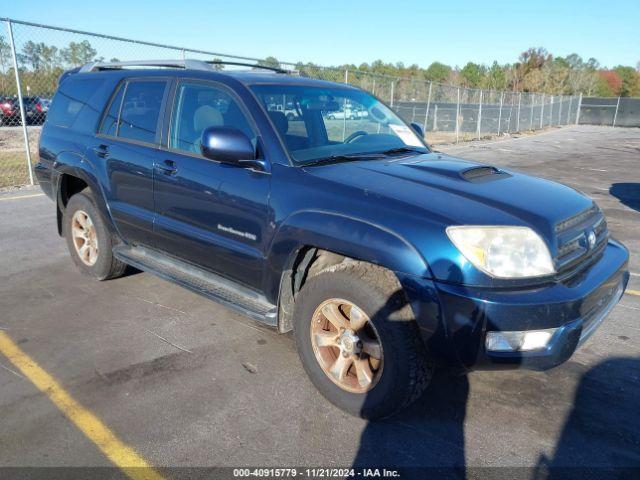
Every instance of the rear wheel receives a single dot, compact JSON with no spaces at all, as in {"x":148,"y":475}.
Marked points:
{"x":89,"y":240}
{"x":358,"y":341}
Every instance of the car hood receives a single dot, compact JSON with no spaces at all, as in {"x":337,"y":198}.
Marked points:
{"x":452,"y":191}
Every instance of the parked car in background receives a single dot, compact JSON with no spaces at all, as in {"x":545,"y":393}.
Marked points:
{"x":9,"y":111}
{"x":348,"y":113}
{"x":35,"y":108}
{"x":382,"y":256}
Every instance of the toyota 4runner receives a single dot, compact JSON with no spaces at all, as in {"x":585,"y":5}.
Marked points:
{"x":382,"y":256}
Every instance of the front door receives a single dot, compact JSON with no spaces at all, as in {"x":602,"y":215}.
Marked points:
{"x":211,"y":214}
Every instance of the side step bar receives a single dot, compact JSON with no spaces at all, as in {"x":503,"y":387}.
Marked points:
{"x":210,"y":285}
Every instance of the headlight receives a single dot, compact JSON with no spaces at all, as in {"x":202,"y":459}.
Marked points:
{"x":503,"y":252}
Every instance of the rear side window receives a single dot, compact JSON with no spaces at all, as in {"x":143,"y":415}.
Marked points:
{"x":140,"y":110}
{"x":110,"y":121}
{"x":70,"y":98}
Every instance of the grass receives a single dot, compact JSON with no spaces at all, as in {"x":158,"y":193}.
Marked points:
{"x":13,"y":168}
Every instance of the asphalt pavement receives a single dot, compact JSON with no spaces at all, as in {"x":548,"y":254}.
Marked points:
{"x":186,"y":382}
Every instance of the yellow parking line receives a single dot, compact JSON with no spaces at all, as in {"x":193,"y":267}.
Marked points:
{"x":633,"y":292}
{"x":18,"y":197}
{"x":123,"y":456}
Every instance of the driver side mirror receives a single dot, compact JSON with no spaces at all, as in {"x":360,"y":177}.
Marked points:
{"x":227,"y":145}
{"x":418,"y":129}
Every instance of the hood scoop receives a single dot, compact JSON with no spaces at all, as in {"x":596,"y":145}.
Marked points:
{"x":485,"y":173}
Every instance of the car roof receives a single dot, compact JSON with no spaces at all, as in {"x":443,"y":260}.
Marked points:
{"x":251,"y":77}
{"x":246,"y":77}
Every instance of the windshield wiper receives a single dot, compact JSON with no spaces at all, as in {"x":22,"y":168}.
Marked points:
{"x":393,"y":151}
{"x":343,"y":158}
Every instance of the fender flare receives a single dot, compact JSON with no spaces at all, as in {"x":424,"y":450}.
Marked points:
{"x":342,"y":234}
{"x":76,"y":165}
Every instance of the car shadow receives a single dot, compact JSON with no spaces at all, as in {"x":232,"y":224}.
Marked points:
{"x":601,"y":437}
{"x":427,"y":439}
{"x":627,"y":193}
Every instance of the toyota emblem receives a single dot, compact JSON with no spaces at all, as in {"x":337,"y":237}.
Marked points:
{"x":591,"y":239}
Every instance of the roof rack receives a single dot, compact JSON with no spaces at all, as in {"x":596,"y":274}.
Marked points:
{"x":189,"y":64}
{"x":252,"y":65}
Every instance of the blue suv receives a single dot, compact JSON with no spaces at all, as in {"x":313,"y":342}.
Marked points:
{"x":382,"y":256}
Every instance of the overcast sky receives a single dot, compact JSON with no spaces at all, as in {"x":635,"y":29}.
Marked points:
{"x":332,"y":32}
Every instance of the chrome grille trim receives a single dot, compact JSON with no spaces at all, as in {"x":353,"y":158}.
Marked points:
{"x":573,"y":248}
{"x":576,"y":219}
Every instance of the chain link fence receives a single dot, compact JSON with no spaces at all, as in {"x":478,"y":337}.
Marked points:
{"x":33,"y":56}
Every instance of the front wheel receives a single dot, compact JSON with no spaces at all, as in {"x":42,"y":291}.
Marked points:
{"x":358,"y":341}
{"x":88,"y":238}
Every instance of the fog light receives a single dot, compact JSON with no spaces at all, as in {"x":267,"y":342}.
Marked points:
{"x":519,"y":341}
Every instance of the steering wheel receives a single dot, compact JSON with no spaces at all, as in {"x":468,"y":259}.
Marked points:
{"x":354,"y":135}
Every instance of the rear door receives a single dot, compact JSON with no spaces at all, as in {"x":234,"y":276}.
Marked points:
{"x":128,"y":142}
{"x":210,"y":213}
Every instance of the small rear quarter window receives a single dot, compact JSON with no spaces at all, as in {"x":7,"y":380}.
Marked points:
{"x":72,"y":95}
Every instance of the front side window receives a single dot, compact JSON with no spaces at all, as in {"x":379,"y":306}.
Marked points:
{"x":140,"y":110}
{"x":199,"y":106}
{"x":317,"y":123}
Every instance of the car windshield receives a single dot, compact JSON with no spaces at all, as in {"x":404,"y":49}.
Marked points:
{"x":318,"y":124}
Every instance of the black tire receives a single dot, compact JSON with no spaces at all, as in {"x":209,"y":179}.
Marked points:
{"x":106,"y":265}
{"x":407,"y":369}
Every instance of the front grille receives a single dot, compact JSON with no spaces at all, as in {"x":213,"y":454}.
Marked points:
{"x":572,"y":236}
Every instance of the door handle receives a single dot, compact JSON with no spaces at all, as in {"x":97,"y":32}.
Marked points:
{"x":101,"y":151}
{"x":167,"y":166}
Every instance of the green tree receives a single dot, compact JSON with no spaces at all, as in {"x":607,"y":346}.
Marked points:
{"x":5,"y":64}
{"x":496,"y":77}
{"x":472,"y":74}
{"x":271,"y":62}
{"x":438,"y":72}
{"x":78,"y":53}
{"x":630,"y":81}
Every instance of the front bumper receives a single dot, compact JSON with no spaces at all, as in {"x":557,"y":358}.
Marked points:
{"x":454,"y":319}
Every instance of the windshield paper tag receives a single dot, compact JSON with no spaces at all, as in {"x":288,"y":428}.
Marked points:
{"x":406,"y":135}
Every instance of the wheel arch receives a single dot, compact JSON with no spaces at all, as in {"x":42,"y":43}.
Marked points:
{"x":72,"y":174}
{"x":308,"y":242}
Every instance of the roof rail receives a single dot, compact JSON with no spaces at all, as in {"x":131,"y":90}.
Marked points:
{"x":190,"y":64}
{"x":186,"y":64}
{"x":252,"y":65}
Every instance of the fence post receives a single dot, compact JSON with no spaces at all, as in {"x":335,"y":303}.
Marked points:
{"x":346,"y":75}
{"x":532,"y":105}
{"x":393,"y":85}
{"x":426,"y":114}
{"x":23,"y":116}
{"x":435,"y":118}
{"x":458,"y":116}
{"x":518,"y":119}
{"x":560,"y":110}
{"x":569,"y":110}
{"x":615,"y":115}
{"x":510,"y":113}
{"x":500,"y":113}
{"x":479,"y":126}
{"x":579,"y":108}
{"x":542,"y":110}
{"x":373,"y":88}
{"x":551,"y":112}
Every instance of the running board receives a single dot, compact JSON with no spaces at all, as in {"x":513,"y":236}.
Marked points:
{"x":210,"y":285}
